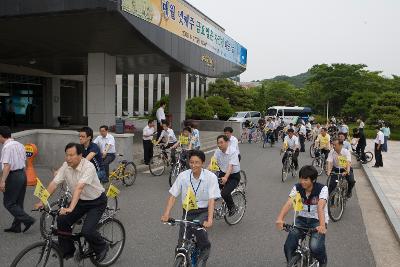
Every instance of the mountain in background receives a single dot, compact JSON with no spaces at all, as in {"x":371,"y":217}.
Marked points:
{"x":298,"y":81}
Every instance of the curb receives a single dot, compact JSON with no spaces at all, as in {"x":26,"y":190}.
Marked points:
{"x":391,"y":215}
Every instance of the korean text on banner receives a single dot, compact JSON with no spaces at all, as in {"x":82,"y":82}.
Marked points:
{"x":41,"y":192}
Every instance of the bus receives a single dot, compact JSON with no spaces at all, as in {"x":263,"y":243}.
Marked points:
{"x":290,"y":114}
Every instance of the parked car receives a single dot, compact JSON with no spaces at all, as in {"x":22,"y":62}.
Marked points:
{"x":242,"y":116}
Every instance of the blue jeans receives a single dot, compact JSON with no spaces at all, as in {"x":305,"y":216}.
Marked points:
{"x":250,"y":132}
{"x":317,"y":241}
{"x":102,"y":176}
{"x":384,"y":146}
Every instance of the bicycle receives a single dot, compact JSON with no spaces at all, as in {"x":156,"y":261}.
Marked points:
{"x":187,"y":252}
{"x":221,"y":209}
{"x":179,"y":166}
{"x":268,"y":137}
{"x":338,"y":197}
{"x":369,"y":156}
{"x":125,"y":172}
{"x":312,"y":150}
{"x":319,"y":162}
{"x":288,"y":166}
{"x":159,"y":162}
{"x":63,"y":202}
{"x":48,"y":253}
{"x":302,"y":256}
{"x":244,"y":136}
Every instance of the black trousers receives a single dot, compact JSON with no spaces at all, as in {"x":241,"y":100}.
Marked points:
{"x":295,"y":157}
{"x":378,"y":156}
{"x":360,"y":150}
{"x":228,"y":187}
{"x":159,"y":129}
{"x":110,"y":157}
{"x":14,"y":197}
{"x":302,"y":140}
{"x":93,"y":210}
{"x":147,"y":151}
{"x":350,"y":180}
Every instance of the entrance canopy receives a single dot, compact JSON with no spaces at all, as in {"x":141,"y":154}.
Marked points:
{"x":145,"y":36}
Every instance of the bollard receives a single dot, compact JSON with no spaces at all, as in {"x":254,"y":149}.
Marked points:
{"x":31,"y":152}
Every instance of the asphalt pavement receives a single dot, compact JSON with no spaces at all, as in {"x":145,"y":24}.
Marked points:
{"x":253,"y":242}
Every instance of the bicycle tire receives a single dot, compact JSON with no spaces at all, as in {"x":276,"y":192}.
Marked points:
{"x":132,"y":177}
{"x":44,"y":226}
{"x":116,"y":223}
{"x":318,"y":166}
{"x":112,"y":203}
{"x":173,"y":174}
{"x":155,"y":169}
{"x":285,"y":171}
{"x":243,"y":180}
{"x":312,"y":151}
{"x":295,"y":261}
{"x":19,"y":257}
{"x":180,"y":261}
{"x":335,"y":199}
{"x":237,"y":196}
{"x":369,"y":156}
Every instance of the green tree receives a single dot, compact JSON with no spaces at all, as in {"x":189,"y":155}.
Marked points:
{"x":220,"y":106}
{"x":387,"y":108}
{"x":359,"y":104}
{"x":198,"y":108}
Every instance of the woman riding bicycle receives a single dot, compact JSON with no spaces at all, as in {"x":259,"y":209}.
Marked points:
{"x":314,"y":214}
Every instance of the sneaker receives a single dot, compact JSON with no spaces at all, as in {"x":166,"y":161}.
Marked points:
{"x":349,"y":194}
{"x":102,"y":255}
{"x":232,"y":211}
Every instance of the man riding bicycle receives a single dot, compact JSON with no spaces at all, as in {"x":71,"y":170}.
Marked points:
{"x":205,"y":187}
{"x":184,"y":142}
{"x":314,"y":215}
{"x":339,"y":161}
{"x":323,"y":142}
{"x":291,"y":143}
{"x":228,"y":161}
{"x":88,"y":198}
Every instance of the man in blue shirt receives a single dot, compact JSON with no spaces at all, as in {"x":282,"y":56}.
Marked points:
{"x":92,"y":152}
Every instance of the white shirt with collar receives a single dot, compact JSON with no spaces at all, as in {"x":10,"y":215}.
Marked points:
{"x":85,"y":173}
{"x":333,"y":157}
{"x":205,"y":188}
{"x":234,"y":143}
{"x":303,"y":130}
{"x":231,"y":156}
{"x":102,"y":142}
{"x":148,"y":133}
{"x":160,"y":114}
{"x":380,"y":137}
{"x":293,"y":143}
{"x":14,"y":154}
{"x":169,"y":135}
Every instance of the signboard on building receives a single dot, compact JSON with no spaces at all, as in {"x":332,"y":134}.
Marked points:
{"x":178,"y":17}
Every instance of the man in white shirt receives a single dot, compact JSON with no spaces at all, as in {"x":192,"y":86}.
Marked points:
{"x":379,"y":141}
{"x":228,"y":161}
{"x":302,"y":137}
{"x":346,"y":144}
{"x":148,"y":133}
{"x":13,"y":180}
{"x":291,"y":143}
{"x":339,"y":161}
{"x":106,"y":143}
{"x":233,"y":141}
{"x":88,"y":198}
{"x":160,"y":115}
{"x":168,"y":135}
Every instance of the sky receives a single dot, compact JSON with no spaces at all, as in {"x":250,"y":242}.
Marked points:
{"x":287,"y":37}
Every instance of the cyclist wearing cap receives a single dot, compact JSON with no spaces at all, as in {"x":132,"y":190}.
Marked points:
{"x":313,"y":215}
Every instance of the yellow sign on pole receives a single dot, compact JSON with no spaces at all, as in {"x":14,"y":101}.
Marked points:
{"x":190,"y":202}
{"x":112,"y":191}
{"x":41,"y":192}
{"x":342,"y":162}
{"x":297,"y":202}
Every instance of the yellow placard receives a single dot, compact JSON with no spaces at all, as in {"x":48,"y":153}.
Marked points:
{"x":190,"y":202}
{"x":214,"y":164}
{"x":183,"y":140}
{"x":297,"y":202}
{"x":342,"y":161}
{"x":324,"y":141}
{"x":112,"y":191}
{"x":41,"y":192}
{"x":285,"y":145}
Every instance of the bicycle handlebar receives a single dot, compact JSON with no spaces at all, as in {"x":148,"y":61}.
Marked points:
{"x":173,"y":222}
{"x":288,"y":227}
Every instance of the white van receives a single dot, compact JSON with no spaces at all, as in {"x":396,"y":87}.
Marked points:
{"x":242,"y":116}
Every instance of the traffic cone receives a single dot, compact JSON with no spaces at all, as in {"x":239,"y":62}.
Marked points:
{"x":31,"y":152}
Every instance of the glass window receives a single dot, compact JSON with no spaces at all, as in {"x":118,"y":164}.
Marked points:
{"x":136,"y":92}
{"x":146,"y":92}
{"x":163,"y":85}
{"x":124,"y":92}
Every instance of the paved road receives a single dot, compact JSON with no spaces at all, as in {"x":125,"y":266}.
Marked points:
{"x":253,"y":242}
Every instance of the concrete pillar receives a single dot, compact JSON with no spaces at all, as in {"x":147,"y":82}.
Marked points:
{"x":198,"y":93}
{"x":187,"y":86}
{"x":159,"y":87}
{"x":177,"y":99}
{"x":53,"y":106}
{"x":84,"y":95}
{"x":130,"y":94}
{"x":101,"y":89}
{"x":141,"y":94}
{"x":119,"y":95}
{"x":151,"y":88}
{"x":166,"y":85}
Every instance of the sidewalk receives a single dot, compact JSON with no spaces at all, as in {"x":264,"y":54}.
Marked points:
{"x":386,"y":182}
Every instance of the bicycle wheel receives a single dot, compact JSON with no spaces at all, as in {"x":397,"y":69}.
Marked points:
{"x":45,"y":221}
{"x":312,"y":151}
{"x":157,"y":165}
{"x":129,"y":175}
{"x":240,"y":203}
{"x":285,"y":170}
{"x":335,"y":205}
{"x":113,"y":232}
{"x":265,"y":140}
{"x":39,"y":254}
{"x":296,"y":261}
{"x":369,"y":156}
{"x":173,"y":174}
{"x":112,"y":204}
{"x":317,"y":163}
{"x":243,"y":180}
{"x":180,"y":261}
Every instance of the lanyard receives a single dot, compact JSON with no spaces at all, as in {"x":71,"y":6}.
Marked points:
{"x":197,"y":189}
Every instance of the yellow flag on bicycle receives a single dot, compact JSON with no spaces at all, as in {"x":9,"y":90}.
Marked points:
{"x":190,"y":202}
{"x":41,"y":192}
{"x":297,"y":202}
{"x":285,"y":145}
{"x":112,"y":191}
{"x":214,"y":164}
{"x":183,"y":140}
